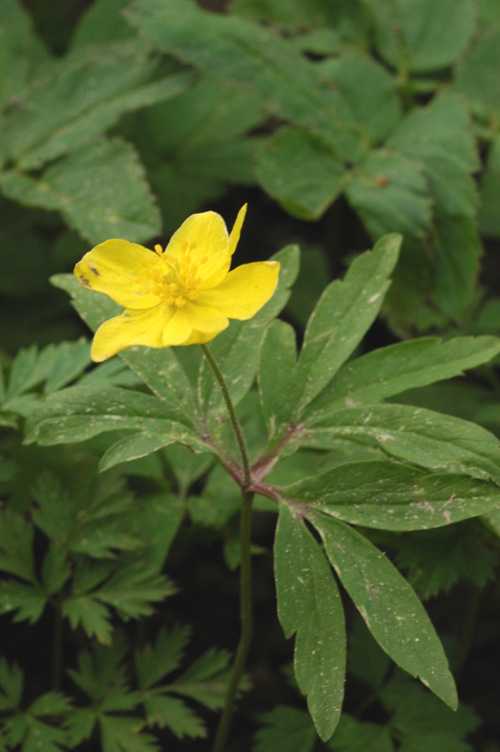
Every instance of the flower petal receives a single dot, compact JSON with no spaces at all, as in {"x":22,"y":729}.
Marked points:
{"x":236,"y":231}
{"x":117,"y":268}
{"x":244,"y":290}
{"x":129,"y":329}
{"x":206,"y":236}
{"x":193,"y":324}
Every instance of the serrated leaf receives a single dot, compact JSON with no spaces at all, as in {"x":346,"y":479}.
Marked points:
{"x":251,"y":55}
{"x":391,"y":496}
{"x":309,"y":604}
{"x":287,"y":729}
{"x":353,"y":735}
{"x":437,"y":559}
{"x":94,"y":618}
{"x":393,"y":613}
{"x":22,"y":52}
{"x":421,"y":35}
{"x":476,"y":75}
{"x":56,"y":570}
{"x":84,"y":188}
{"x":11,"y":685}
{"x":206,"y":680}
{"x":390,"y":194}
{"x":27,"y":600}
{"x":394,"y":369}
{"x":50,"y":703}
{"x":420,"y":436}
{"x":155,"y":661}
{"x":302,"y":171}
{"x":81,"y":96}
{"x":120,"y":734}
{"x":133,"y":587}
{"x":173,"y":713}
{"x":439,"y":137}
{"x":16,"y":545}
{"x":342,"y":317}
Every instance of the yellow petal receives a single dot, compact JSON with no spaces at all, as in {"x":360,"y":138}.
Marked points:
{"x":129,"y":329}
{"x":206,"y":237}
{"x":236,"y":231}
{"x":244,"y":290}
{"x":193,"y":324}
{"x":119,"y":269}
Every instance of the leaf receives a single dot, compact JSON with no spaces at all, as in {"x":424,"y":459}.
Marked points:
{"x":287,"y":729}
{"x":439,"y":137}
{"x":84,"y":188}
{"x":278,"y":357}
{"x":436,"y":560}
{"x":476,"y":76}
{"x":420,"y":436}
{"x":16,"y":546}
{"x":155,"y":661}
{"x":489,"y":222}
{"x":159,"y":369}
{"x":353,"y":735}
{"x":341,"y":318}
{"x":133,"y":587}
{"x":102,"y":22}
{"x":423,"y":724}
{"x":302,"y":171}
{"x":393,"y":613}
{"x":390,"y":194}
{"x":22,"y":53}
{"x":457,"y":250}
{"x":421,"y":35}
{"x":206,"y":680}
{"x":120,"y":734}
{"x":391,"y":496}
{"x":78,"y":413}
{"x":251,"y":55}
{"x":11,"y":685}
{"x":391,"y":370}
{"x":81,"y":96}
{"x":237,"y":349}
{"x":309,"y":604}
{"x":28,"y":600}
{"x":173,"y":713}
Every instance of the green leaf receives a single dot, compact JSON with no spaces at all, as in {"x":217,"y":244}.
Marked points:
{"x":26,"y":599}
{"x":422,"y":35}
{"x":159,"y":369}
{"x":394,"y":369}
{"x":133,"y":587}
{"x":342,"y":317}
{"x":22,"y":52}
{"x":56,"y":570}
{"x":439,"y":138}
{"x":286,"y":729}
{"x":81,"y":96}
{"x":489,"y":221}
{"x":173,"y":713}
{"x":11,"y":685}
{"x":353,"y":735}
{"x":390,"y":193}
{"x":393,"y":613}
{"x":157,"y":518}
{"x":16,"y":545}
{"x":155,"y":661}
{"x":302,"y":171}
{"x":278,"y":357}
{"x":309,"y":604}
{"x":237,"y":349}
{"x":457,"y":250}
{"x":206,"y":680}
{"x":420,"y":436}
{"x":80,"y":412}
{"x":103,"y":21}
{"x":84,"y":188}
{"x":120,"y":734}
{"x":391,"y":496}
{"x":139,"y":445}
{"x":476,"y":76}
{"x":246,"y":52}
{"x":423,"y":724}
{"x":436,"y":560}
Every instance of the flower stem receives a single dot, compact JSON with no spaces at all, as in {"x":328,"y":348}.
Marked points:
{"x":246,"y":622}
{"x":247,"y":478}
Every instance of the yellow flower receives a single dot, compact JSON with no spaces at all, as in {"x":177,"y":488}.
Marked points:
{"x":182,"y":295}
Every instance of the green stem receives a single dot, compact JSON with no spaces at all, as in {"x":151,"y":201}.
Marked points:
{"x":247,"y":478}
{"x":246,"y":622}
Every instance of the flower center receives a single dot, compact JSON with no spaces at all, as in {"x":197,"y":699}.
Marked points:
{"x":178,"y":283}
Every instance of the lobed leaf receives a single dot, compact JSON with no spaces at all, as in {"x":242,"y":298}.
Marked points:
{"x":309,"y":604}
{"x":392,"y":611}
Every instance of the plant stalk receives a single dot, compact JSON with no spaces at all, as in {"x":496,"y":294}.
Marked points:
{"x":245,"y":620}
